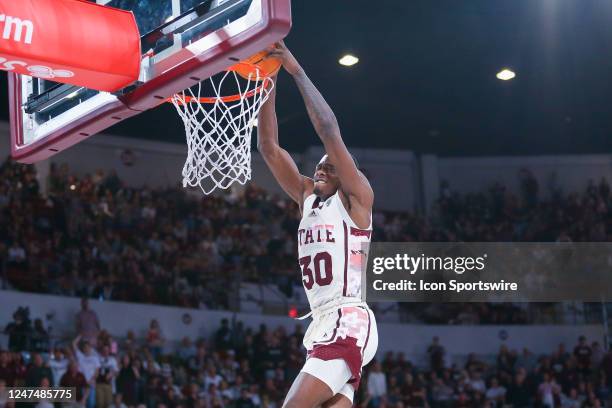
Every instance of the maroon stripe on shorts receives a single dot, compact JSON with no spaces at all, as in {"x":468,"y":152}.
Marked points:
{"x":337,"y":324}
{"x":361,"y":232}
{"x":345,"y":257}
{"x":333,"y":336}
{"x":368,"y":335}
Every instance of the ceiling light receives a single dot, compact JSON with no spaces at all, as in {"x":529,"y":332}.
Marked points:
{"x":505,"y":75}
{"x":348,"y":60}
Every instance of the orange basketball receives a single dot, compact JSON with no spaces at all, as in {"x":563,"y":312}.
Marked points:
{"x":267,"y":66}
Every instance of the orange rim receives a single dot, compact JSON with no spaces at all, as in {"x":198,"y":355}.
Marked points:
{"x":229,"y":98}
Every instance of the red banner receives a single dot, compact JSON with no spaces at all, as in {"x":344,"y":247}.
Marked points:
{"x":70,"y":41}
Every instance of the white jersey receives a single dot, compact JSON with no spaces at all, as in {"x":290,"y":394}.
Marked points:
{"x":330,"y":250}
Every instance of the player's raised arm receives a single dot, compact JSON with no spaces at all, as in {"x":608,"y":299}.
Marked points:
{"x":353,"y":182}
{"x":278,"y":159}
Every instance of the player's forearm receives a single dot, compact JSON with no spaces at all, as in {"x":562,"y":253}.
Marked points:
{"x":267,"y":128}
{"x":321,"y":115}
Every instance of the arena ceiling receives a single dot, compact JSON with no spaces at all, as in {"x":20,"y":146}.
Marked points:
{"x":426,"y":80}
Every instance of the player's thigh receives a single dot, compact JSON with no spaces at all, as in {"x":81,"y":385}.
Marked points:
{"x":307,"y":391}
{"x":338,"y":401}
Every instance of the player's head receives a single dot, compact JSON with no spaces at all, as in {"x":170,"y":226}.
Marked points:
{"x":326,"y":177}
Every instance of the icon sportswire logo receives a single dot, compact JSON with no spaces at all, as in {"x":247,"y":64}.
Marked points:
{"x":16,"y":29}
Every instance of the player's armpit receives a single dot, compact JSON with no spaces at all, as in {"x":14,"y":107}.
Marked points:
{"x":285,"y":171}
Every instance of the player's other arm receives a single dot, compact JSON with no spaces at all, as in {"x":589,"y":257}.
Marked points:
{"x":278,"y":159}
{"x":354,"y":183}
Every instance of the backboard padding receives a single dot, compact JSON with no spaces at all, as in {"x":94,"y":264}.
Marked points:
{"x":179,"y":66}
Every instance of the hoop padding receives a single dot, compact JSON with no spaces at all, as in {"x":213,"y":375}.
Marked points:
{"x":218,"y":129}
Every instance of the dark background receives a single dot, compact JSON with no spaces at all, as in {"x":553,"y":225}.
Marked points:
{"x":426,"y":80}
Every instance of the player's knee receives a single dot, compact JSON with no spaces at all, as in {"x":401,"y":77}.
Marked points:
{"x":293,"y":402}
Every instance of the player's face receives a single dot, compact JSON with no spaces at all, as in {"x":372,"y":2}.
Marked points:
{"x":325,"y":178}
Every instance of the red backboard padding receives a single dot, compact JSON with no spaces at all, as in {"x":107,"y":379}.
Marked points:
{"x":70,"y":41}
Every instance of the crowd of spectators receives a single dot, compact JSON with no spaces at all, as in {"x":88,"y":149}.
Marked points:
{"x":238,"y":367}
{"x":94,"y":236}
{"x":499,"y":215}
{"x":563,"y":378}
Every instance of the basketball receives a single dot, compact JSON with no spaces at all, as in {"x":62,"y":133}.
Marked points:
{"x":267,"y":66}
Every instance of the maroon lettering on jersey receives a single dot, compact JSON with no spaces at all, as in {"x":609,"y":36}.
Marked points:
{"x":309,"y":239}
{"x":324,"y":233}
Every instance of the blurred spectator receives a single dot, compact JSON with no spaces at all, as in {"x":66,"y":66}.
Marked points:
{"x":414,"y":394}
{"x":186,"y":350}
{"x":436,"y":355}
{"x":72,"y":378}
{"x":8,"y":372}
{"x":548,"y":392}
{"x":105,"y":380}
{"x":245,"y":401}
{"x":129,"y":381}
{"x":19,"y":330}
{"x":155,"y":338}
{"x":476,"y":382}
{"x":58,"y":363}
{"x":39,"y":337}
{"x":496,"y":394}
{"x":441,"y":394}
{"x":212,"y":378}
{"x":87,"y":323}
{"x":223,"y":335}
{"x":37,"y":371}
{"x":583,"y":353}
{"x":3,"y":394}
{"x":89,"y":365}
{"x":45,"y":384}
{"x":571,"y":400}
{"x":377,"y":384}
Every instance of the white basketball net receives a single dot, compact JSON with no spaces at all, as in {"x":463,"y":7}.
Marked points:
{"x":219,"y":132}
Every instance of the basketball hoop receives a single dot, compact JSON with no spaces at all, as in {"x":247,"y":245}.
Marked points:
{"x":218,"y":128}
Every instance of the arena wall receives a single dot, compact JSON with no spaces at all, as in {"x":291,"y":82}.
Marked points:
{"x":119,"y":317}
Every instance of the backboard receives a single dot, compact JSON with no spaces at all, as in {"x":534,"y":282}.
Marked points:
{"x":183,"y":42}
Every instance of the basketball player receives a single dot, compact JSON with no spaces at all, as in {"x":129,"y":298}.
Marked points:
{"x":336,"y":208}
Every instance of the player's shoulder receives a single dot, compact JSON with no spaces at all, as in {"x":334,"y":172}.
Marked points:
{"x":357,"y":213}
